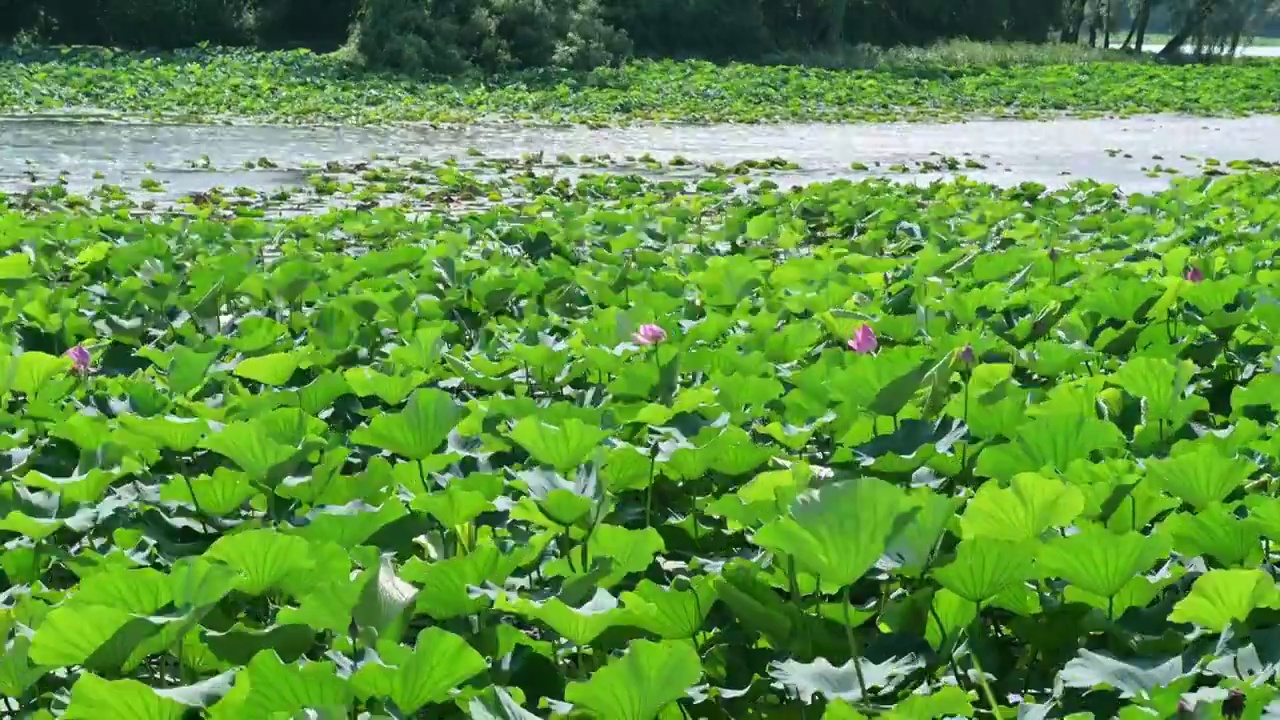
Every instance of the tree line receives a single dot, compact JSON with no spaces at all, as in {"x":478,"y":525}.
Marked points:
{"x":449,"y":36}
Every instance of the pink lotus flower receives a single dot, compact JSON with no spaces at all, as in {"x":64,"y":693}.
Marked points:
{"x":864,"y":341}
{"x":81,"y":361}
{"x":649,"y":335}
{"x":1194,"y":275}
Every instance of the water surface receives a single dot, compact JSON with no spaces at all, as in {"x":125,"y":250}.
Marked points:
{"x":1053,"y":152}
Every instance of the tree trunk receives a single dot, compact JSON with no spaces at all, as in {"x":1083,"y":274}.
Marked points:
{"x":1144,"y":17}
{"x":1235,"y":43}
{"x":1073,"y":22}
{"x":1204,"y":8}
{"x":1106,"y":27}
{"x":1133,"y":27}
{"x":835,"y":22}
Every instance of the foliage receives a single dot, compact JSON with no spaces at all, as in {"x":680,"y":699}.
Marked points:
{"x":317,"y":24}
{"x":301,"y":87}
{"x":711,"y":28}
{"x":431,"y":464}
{"x":145,"y":23}
{"x":451,"y":36}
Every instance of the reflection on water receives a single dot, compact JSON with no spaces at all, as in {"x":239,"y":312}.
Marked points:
{"x":1051,"y":152}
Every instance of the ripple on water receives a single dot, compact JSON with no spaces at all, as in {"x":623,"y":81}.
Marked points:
{"x":1052,"y":152}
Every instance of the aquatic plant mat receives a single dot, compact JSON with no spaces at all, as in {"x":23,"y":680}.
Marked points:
{"x":630,"y":449}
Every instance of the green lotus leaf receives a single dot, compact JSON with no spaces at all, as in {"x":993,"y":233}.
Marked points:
{"x":670,"y":612}
{"x":172,"y":433}
{"x":452,"y":506}
{"x":497,"y":704}
{"x":94,"y":698}
{"x":249,"y":446}
{"x":439,"y":663}
{"x":197,"y":583}
{"x":1261,"y":390}
{"x":1030,"y":505}
{"x":763,"y":498}
{"x":1200,"y":476}
{"x":391,"y":389}
{"x":22,"y":524}
{"x":984,"y":567}
{"x":1220,"y":597}
{"x":841,"y":710}
{"x":637,"y":686}
{"x":632,"y":551}
{"x":912,"y":548}
{"x":1163,"y":387}
{"x":87,"y":488}
{"x":1100,"y":562}
{"x":98,"y":637}
{"x":1264,"y":515}
{"x":264,"y":558}
{"x":948,"y":701}
{"x":257,"y":333}
{"x":34,"y":370}
{"x":15,"y":266}
{"x":219,"y":495}
{"x":200,"y":694}
{"x":756,"y":605}
{"x":86,"y":431}
{"x":1050,"y":441}
{"x":579,"y":624}
{"x":318,"y":396}
{"x":352,"y":524}
{"x":187,"y":369}
{"x":626,"y":468}
{"x":444,"y":583}
{"x":17,"y":674}
{"x":416,"y":432}
{"x":564,"y":446}
{"x":948,"y":615}
{"x":238,"y":645}
{"x":328,"y":606}
{"x":141,"y":591}
{"x":422,"y":351}
{"x":276,"y":687}
{"x":1139,"y":592}
{"x":564,"y":502}
{"x":1215,"y":533}
{"x":273,"y":369}
{"x":335,"y":327}
{"x":839,"y":531}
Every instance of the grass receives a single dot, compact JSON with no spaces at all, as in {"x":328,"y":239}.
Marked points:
{"x":949,"y":82}
{"x":1158,"y":40}
{"x":955,"y":54}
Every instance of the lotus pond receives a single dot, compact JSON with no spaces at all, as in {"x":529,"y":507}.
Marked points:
{"x":298,"y":87}
{"x":630,"y":449}
{"x":162,"y":163}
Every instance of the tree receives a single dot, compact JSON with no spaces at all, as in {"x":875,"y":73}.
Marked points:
{"x":1190,"y":26}
{"x":1138,"y":30}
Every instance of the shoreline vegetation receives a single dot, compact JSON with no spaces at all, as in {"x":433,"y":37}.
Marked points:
{"x":950,"y":81}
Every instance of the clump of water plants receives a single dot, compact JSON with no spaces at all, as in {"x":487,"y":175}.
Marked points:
{"x":643,"y":449}
{"x":211,"y":85}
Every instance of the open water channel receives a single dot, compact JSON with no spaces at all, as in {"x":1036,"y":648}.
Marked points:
{"x":36,"y":151}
